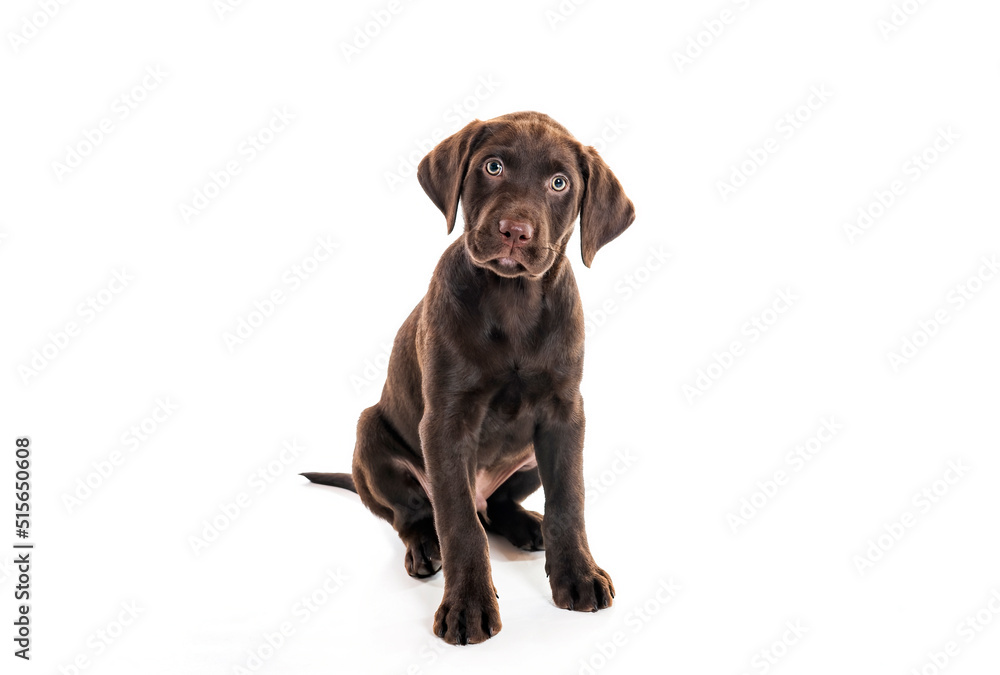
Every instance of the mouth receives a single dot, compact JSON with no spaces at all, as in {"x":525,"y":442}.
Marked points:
{"x":506,"y":266}
{"x":503,"y":260}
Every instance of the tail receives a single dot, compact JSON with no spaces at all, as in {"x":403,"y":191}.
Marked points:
{"x":341,"y":480}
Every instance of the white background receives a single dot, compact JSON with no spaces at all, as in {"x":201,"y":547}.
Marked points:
{"x":672,"y":130}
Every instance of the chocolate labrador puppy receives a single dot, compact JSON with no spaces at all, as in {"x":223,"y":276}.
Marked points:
{"x":481,"y":404}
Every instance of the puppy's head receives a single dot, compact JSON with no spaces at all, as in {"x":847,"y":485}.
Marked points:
{"x":522,"y":180}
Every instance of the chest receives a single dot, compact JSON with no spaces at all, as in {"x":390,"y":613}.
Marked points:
{"x":519,"y":391}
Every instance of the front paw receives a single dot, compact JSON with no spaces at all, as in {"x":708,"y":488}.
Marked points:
{"x":580,"y":585}
{"x":468,"y":617}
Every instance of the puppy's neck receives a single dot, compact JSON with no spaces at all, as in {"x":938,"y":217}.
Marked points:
{"x":514,"y":304}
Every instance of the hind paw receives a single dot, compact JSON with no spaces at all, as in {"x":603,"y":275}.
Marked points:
{"x":423,"y":555}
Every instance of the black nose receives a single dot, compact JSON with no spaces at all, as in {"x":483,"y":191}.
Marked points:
{"x":516,"y":232}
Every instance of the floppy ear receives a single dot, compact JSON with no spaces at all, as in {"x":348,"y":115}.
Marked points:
{"x":606,"y":211}
{"x":442,"y":171}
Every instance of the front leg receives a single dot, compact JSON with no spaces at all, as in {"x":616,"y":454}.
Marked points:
{"x":469,"y":612}
{"x":576,"y":580}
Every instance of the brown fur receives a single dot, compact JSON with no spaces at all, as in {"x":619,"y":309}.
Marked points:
{"x":484,"y":375}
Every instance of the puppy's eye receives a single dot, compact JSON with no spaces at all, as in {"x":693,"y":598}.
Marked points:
{"x":494,"y":167}
{"x":559,"y":183}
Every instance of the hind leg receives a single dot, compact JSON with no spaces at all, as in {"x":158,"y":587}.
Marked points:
{"x":391,"y":491}
{"x":506,"y":517}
